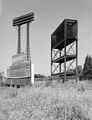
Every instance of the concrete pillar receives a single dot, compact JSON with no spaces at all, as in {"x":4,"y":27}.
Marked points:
{"x":28,"y":43}
{"x":19,"y":40}
{"x":32,"y":74}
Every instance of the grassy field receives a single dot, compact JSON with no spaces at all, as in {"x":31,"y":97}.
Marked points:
{"x":68,"y":101}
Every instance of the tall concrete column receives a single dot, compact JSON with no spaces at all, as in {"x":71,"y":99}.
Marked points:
{"x":19,"y":40}
{"x":28,"y":43}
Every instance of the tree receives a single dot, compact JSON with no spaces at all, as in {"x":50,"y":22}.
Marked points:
{"x":87,"y":70}
{"x":39,"y":76}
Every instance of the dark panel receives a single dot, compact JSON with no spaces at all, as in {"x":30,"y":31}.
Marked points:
{"x":57,"y":37}
{"x":23,"y":19}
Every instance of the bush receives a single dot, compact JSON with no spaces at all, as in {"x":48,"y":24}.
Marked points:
{"x":13,"y":93}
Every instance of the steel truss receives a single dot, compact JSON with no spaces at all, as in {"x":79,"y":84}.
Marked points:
{"x":64,"y":59}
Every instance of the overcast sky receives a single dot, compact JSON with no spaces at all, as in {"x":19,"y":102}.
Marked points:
{"x":48,"y":15}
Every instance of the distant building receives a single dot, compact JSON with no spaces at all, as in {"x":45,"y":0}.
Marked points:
{"x":1,"y":78}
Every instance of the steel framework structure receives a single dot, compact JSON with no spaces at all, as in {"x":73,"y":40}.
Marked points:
{"x":64,"y":49}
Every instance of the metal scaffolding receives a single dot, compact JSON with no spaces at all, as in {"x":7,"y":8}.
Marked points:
{"x":64,"y":49}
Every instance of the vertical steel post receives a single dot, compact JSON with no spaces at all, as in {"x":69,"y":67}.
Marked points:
{"x":19,"y":40}
{"x":51,"y":62}
{"x":30,"y":76}
{"x":60,"y":63}
{"x":77,"y":55}
{"x":76,"y":61}
{"x":65,"y":29}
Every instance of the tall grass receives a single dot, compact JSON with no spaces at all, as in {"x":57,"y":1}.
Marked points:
{"x":65,"y":102}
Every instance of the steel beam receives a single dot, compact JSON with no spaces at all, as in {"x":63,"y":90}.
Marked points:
{"x":65,"y":29}
{"x":19,"y":40}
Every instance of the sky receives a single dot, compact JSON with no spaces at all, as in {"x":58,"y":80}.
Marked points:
{"x":48,"y":15}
